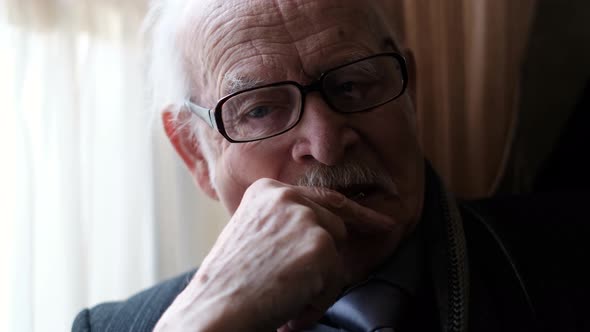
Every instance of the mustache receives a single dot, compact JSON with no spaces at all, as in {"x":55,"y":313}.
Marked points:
{"x":345,"y":175}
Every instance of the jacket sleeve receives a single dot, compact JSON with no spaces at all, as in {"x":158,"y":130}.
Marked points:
{"x":82,"y":323}
{"x":139,"y":313}
{"x":113,"y":316}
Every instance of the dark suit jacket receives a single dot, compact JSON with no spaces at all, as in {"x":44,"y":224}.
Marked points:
{"x":139,"y":313}
{"x":544,"y":238}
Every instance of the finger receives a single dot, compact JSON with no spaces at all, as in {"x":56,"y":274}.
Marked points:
{"x":316,"y":309}
{"x":362,"y":218}
{"x":284,"y":328}
{"x":330,"y":222}
{"x":284,"y":195}
{"x":313,"y":312}
{"x":310,"y":316}
{"x":355,"y":216}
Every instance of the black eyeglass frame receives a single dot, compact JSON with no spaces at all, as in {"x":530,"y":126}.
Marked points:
{"x":214,"y":118}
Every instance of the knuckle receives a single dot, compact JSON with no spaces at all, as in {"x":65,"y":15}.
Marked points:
{"x":260,"y":187}
{"x":327,"y":197}
{"x":317,"y":284}
{"x":283,"y":194}
{"x":339,"y":231}
{"x":306,"y":213}
{"x":325,"y":194}
{"x":262,"y":183}
{"x":320,"y":241}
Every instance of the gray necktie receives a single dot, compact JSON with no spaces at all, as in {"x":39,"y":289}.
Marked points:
{"x":374,"y":306}
{"x":381,"y":302}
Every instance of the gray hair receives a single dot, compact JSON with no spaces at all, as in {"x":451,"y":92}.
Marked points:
{"x":168,"y":79}
{"x":345,"y":175}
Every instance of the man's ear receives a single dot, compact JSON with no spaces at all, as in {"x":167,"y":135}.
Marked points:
{"x":189,"y":149}
{"x":412,"y":74}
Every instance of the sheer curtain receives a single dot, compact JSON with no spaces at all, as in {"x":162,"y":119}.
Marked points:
{"x":95,"y":206}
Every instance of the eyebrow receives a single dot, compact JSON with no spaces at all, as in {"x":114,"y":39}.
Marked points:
{"x":235,"y":83}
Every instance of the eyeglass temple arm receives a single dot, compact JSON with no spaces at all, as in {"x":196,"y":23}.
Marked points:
{"x":204,"y":113}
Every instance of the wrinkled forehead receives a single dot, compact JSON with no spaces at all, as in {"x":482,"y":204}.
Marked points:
{"x":229,"y":41}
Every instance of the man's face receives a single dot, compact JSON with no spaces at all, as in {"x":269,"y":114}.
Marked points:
{"x":270,"y":41}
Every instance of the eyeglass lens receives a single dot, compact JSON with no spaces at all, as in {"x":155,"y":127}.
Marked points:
{"x":261,"y":112}
{"x":364,"y":84}
{"x":271,"y":110}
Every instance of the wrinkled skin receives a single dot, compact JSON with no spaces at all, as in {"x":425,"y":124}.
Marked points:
{"x":288,"y":251}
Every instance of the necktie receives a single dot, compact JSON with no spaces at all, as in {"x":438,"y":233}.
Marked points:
{"x":374,"y":306}
{"x":381,"y":302}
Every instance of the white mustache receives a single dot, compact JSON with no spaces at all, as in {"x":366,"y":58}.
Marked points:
{"x":345,"y":175}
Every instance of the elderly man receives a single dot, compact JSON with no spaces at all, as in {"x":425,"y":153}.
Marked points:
{"x":299,"y":117}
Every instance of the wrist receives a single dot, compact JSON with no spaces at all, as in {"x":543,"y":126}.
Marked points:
{"x":199,"y":308}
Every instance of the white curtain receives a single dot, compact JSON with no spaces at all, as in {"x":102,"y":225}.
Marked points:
{"x":94,"y":204}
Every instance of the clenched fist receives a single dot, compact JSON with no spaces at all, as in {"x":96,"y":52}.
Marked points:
{"x":280,"y":262}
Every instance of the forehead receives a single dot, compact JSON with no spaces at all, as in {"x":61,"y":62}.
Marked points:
{"x":259,"y":41}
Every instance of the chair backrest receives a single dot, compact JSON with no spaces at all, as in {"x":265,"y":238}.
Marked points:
{"x":568,"y":166}
{"x":551,"y":136}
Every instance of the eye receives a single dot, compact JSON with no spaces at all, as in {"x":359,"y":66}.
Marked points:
{"x":347,"y":86}
{"x":259,"y":112}
{"x":350,"y":88}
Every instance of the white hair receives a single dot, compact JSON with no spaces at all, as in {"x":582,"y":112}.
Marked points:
{"x":168,"y":80}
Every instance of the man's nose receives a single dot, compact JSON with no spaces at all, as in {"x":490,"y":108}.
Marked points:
{"x":323,"y":135}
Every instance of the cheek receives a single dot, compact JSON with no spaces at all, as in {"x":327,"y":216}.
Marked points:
{"x":393,"y":134}
{"x":240,"y":165}
{"x":230,"y":183}
{"x":395,"y":139}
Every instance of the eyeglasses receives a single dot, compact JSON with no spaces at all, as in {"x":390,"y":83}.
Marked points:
{"x":265,"y":111}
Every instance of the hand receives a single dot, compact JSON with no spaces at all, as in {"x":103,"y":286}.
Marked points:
{"x":278,"y":260}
